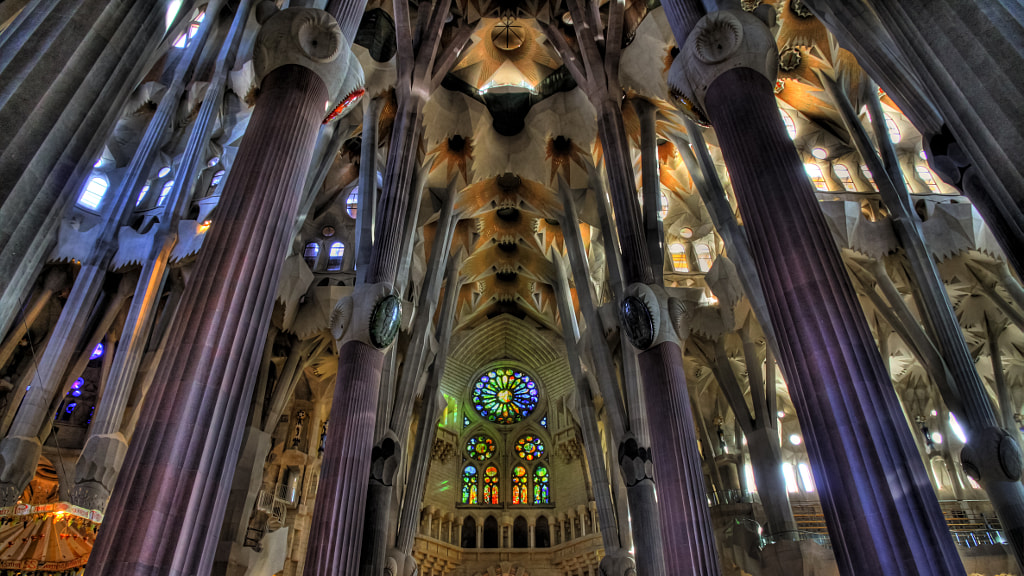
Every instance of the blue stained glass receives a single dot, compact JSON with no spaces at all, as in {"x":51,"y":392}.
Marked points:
{"x":71,"y":407}
{"x":544,"y":421}
{"x":97,"y":352}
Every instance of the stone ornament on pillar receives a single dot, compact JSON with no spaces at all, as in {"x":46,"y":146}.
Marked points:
{"x":618,"y":564}
{"x":97,"y":470}
{"x":992,"y":455}
{"x":650,"y":316}
{"x":722,"y":41}
{"x":309,"y":38}
{"x":372,"y":314}
{"x":635,"y":462}
{"x":384,"y":459}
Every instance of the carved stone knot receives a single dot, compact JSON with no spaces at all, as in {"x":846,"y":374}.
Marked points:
{"x":992,"y":455}
{"x":722,"y":41}
{"x":635,"y":462}
{"x":650,"y":316}
{"x":372,"y":314}
{"x":304,"y":37}
{"x":384,"y":459}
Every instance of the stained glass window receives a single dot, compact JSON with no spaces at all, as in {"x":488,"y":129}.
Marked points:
{"x":530,"y":447}
{"x":505,"y":396}
{"x":541,"y":489}
{"x":465,"y":422}
{"x":544,"y":421}
{"x":520,"y":486}
{"x":491,"y":495}
{"x":92,"y":194}
{"x":480,"y":448}
{"x":469,"y":485}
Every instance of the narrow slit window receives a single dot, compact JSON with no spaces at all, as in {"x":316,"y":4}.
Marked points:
{"x":352,"y":203}
{"x":165,"y":192}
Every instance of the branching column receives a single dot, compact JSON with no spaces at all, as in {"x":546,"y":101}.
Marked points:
{"x":880,"y":508}
{"x":166,"y":510}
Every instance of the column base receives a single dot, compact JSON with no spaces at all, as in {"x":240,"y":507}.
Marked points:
{"x":97,"y":469}
{"x":19,"y":457}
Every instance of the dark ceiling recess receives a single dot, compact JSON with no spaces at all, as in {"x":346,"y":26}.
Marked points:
{"x":508,"y":247}
{"x":377,"y":34}
{"x":508,"y":214}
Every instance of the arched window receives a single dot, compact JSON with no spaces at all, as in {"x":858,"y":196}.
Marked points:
{"x":663,"y":209}
{"x":310,"y":254}
{"x":541,"y":485}
{"x":894,"y":129}
{"x":165,"y":192}
{"x":520,"y":486}
{"x":469,"y":533}
{"x":217,"y":177}
{"x":334,"y":256}
{"x":788,"y":121}
{"x":814,"y":172}
{"x":844,"y":176}
{"x":520,"y":533}
{"x":704,"y":257}
{"x":93,"y":193}
{"x":469,"y":485}
{"x":352,"y":202}
{"x":491,"y":485}
{"x":542,"y":533}
{"x":480,"y":447}
{"x":926,"y":175}
{"x":191,"y":31}
{"x":530,"y":448}
{"x":490,"y":532}
{"x":680,"y":263}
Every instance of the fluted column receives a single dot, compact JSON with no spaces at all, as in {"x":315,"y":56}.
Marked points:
{"x":166,"y":510}
{"x":366,"y":324}
{"x":105,"y":447}
{"x":64,"y":95}
{"x":55,"y":280}
{"x":874,"y":491}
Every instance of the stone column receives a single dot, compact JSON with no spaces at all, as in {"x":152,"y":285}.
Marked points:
{"x":651,"y":174}
{"x":104,"y":451}
{"x":685,"y":520}
{"x":855,"y":431}
{"x":55,"y":280}
{"x":67,"y":86}
{"x":179,"y":467}
{"x":366,"y":323}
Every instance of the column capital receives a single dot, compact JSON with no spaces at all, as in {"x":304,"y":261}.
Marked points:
{"x":310,"y":38}
{"x":722,"y":41}
{"x":372,"y":314}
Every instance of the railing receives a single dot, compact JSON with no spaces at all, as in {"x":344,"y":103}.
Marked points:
{"x":732,"y":497}
{"x":272,"y":506}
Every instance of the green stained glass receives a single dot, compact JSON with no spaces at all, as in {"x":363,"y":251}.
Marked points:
{"x":541,"y":487}
{"x":530,"y":448}
{"x":505,"y":396}
{"x":480,"y":447}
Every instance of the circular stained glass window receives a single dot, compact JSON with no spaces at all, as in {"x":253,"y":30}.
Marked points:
{"x":480,"y":447}
{"x":505,"y":396}
{"x":530,"y":448}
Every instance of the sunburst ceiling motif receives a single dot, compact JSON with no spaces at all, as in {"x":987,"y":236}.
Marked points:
{"x":506,"y":52}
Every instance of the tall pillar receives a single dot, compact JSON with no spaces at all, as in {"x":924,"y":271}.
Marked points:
{"x":166,"y":510}
{"x":105,"y":448}
{"x":689,"y":545}
{"x":67,"y":91}
{"x":366,"y":323}
{"x":874,"y":491}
